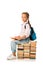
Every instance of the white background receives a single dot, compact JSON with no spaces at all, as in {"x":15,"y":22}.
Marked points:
{"x":10,"y":24}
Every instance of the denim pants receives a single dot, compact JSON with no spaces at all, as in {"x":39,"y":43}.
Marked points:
{"x":15,"y":42}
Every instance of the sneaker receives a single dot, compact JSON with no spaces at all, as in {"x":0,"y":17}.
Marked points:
{"x":11,"y":57}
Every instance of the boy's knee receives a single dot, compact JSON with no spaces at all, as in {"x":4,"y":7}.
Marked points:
{"x":14,"y":42}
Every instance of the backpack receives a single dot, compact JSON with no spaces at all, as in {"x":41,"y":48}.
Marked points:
{"x":32,"y":33}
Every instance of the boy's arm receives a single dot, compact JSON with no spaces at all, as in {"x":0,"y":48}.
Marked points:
{"x":19,"y":37}
{"x":15,"y":38}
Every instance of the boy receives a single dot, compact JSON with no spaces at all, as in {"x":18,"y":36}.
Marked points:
{"x":23,"y":37}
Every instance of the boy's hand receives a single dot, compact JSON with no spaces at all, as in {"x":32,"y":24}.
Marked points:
{"x":12,"y":37}
{"x":16,"y":38}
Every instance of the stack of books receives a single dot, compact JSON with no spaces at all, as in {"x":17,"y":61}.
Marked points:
{"x":32,"y":50}
{"x":20,"y":51}
{"x":23,"y":50}
{"x":26,"y":50}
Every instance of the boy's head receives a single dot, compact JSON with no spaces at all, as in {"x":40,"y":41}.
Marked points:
{"x":25,"y":16}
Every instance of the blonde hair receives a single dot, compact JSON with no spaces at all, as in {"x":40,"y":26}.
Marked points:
{"x":27,"y":14}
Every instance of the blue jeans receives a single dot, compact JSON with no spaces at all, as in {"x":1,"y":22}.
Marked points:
{"x":15,"y":42}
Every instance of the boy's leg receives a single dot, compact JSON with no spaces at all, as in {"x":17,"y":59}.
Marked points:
{"x":13,"y":46}
{"x":14,"y":43}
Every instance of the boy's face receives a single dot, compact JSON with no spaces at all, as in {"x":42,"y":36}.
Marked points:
{"x":24,"y":18}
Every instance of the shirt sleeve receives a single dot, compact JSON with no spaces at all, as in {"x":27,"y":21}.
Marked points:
{"x":27,"y":31}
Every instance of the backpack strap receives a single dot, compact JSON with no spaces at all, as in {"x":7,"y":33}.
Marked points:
{"x":28,"y":24}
